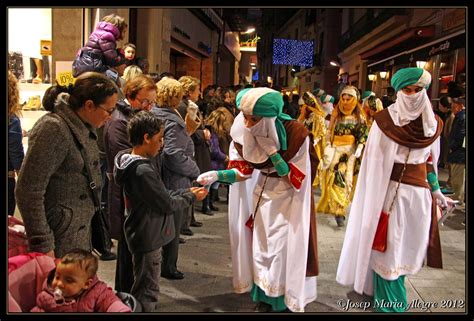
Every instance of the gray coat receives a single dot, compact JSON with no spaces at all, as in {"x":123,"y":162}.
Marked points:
{"x":52,"y":192}
{"x":178,"y":165}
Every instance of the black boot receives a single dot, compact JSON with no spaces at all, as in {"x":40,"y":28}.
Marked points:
{"x":215,"y":195}
{"x":205,"y":206}
{"x":214,"y":192}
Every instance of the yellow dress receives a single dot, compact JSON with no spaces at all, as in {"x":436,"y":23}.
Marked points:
{"x":338,"y":181}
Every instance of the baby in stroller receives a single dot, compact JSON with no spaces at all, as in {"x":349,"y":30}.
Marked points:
{"x":73,"y":286}
{"x":36,"y":283}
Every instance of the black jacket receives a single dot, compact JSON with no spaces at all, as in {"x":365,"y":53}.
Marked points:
{"x":457,"y":153}
{"x":149,"y":206}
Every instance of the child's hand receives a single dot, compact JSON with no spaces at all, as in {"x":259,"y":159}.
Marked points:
{"x":200,"y":192}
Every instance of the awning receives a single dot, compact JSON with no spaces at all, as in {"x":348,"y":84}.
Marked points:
{"x":413,"y":33}
{"x":186,"y":49}
{"x":459,"y":38}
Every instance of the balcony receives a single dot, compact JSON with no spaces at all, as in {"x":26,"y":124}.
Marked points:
{"x":366,"y":24}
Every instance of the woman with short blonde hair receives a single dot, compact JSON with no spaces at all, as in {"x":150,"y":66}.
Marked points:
{"x":131,"y":72}
{"x":169,"y":93}
{"x":177,"y":161}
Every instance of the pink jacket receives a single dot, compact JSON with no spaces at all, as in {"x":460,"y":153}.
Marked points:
{"x":99,"y":297}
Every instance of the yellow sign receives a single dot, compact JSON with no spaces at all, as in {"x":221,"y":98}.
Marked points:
{"x":65,"y":78}
{"x":250,"y":44}
{"x":46,"y":47}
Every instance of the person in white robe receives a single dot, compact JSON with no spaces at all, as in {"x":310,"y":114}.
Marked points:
{"x":400,"y":142}
{"x":271,"y":212}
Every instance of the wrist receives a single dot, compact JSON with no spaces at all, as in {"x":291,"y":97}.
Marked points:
{"x":228,"y":176}
{"x":280,"y":165}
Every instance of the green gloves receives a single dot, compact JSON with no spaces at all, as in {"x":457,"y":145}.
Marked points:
{"x":280,"y":165}
{"x":226,"y":176}
{"x":433,"y":181}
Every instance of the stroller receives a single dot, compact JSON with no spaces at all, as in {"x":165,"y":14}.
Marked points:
{"x":28,"y":270}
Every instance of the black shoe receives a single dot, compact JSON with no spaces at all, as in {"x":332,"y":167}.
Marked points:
{"x":187,"y":232}
{"x":108,"y":256}
{"x":195,"y":224}
{"x":263,"y":307}
{"x":206,"y":210}
{"x":212,"y":207}
{"x":181,"y":240}
{"x":205,"y":207}
{"x":340,"y":220}
{"x":176,"y":275}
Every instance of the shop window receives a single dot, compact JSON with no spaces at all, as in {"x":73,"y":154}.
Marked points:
{"x":30,"y":59}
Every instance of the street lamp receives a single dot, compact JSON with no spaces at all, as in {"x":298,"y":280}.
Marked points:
{"x":249,"y":30}
{"x":421,"y":64}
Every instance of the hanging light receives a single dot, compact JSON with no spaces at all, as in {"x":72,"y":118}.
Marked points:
{"x":371,"y":77}
{"x":421,"y":64}
{"x":383,"y":74}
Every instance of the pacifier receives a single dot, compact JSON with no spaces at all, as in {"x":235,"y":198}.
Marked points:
{"x":58,"y":296}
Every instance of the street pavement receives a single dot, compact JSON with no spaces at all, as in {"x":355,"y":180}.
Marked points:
{"x":205,"y":259}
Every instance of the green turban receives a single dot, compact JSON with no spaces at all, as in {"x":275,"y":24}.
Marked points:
{"x":265,"y":102}
{"x":411,"y":76}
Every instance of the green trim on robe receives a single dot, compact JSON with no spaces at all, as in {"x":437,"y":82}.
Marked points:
{"x":278,"y":304}
{"x":390,"y":296}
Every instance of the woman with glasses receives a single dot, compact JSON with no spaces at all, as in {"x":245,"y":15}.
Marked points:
{"x":140,"y":94}
{"x":53,"y":194}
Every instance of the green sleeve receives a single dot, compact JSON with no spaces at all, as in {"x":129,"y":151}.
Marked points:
{"x":433,"y":181}
{"x":227,"y":176}
{"x":280,"y":165}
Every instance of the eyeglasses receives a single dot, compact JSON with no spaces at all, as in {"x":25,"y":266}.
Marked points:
{"x":408,"y":90}
{"x":145,"y":102}
{"x":109,"y":111}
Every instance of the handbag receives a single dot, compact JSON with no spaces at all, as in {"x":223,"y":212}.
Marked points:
{"x":250,"y":221}
{"x":100,"y":231}
{"x":380,"y":239}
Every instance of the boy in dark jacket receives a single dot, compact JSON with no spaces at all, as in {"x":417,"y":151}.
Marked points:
{"x":148,"y":205}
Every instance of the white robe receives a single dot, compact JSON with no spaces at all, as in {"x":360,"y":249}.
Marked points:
{"x":276,"y":258}
{"x":409,"y":223}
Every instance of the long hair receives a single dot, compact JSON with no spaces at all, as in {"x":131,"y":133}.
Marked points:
{"x":117,"y":21}
{"x":220,"y":120}
{"x":14,"y":107}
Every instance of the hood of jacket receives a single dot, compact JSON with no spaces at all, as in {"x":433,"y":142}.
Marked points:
{"x":105,"y":27}
{"x":125,"y":162}
{"x":125,"y":108}
{"x":169,"y":114}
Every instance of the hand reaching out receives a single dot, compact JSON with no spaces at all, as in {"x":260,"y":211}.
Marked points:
{"x":200,"y":192}
{"x":207,"y":178}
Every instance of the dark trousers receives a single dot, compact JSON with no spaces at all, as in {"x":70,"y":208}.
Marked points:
{"x":11,"y":196}
{"x":146,"y":272}
{"x":188,"y":218}
{"x":124,"y":267}
{"x":170,"y":250}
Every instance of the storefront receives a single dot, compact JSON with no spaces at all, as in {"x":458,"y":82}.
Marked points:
{"x":192,"y":50}
{"x":444,"y":58}
{"x":30,"y":53}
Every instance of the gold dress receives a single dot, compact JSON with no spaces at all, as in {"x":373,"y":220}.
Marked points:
{"x":339,"y":179}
